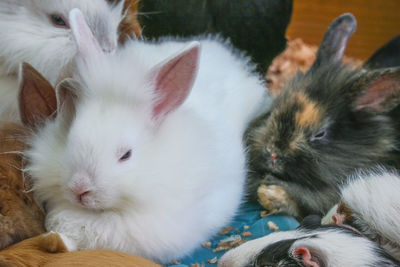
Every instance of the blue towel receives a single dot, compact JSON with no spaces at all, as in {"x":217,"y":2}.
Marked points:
{"x":248,"y":220}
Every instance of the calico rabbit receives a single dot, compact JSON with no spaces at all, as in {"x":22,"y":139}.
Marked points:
{"x":363,"y":232}
{"x":324,"y":124}
{"x":143,"y":156}
{"x":38,"y":32}
{"x":20,"y":216}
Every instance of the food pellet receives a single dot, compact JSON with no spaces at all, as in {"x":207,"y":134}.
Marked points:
{"x":226,"y":230}
{"x":206,"y":245}
{"x":273,"y":226}
{"x":246,"y":234}
{"x":213,"y":260}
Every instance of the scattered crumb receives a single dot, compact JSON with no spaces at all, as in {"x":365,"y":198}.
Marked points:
{"x":213,"y":260}
{"x":230,"y":239}
{"x":246,"y":234}
{"x":264,"y":214}
{"x":237,"y":243}
{"x":226,"y":230}
{"x":272,"y":226}
{"x":246,"y":227}
{"x":206,"y":244}
{"x":228,"y":243}
{"x":175,"y":262}
{"x":219,"y":249}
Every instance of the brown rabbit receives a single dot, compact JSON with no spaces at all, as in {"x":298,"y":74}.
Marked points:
{"x":49,"y":250}
{"x":20,"y":217}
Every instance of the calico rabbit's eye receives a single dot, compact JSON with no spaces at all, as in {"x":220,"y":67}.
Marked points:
{"x":126,"y":156}
{"x":58,"y":21}
{"x":318,"y":136}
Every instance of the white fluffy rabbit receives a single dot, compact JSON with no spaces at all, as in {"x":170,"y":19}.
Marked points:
{"x":143,"y":157}
{"x":38,"y":32}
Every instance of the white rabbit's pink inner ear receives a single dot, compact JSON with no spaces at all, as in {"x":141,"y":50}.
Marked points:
{"x":381,"y":95}
{"x":88,"y":46}
{"x":173,"y":81}
{"x":304,"y":255}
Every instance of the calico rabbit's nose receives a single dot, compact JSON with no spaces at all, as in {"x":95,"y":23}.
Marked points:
{"x":274,"y":157}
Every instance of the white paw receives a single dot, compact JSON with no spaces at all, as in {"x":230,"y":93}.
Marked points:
{"x":68,"y":242}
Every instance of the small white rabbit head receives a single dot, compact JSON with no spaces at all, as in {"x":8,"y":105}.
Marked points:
{"x":38,"y":32}
{"x":107,"y":128}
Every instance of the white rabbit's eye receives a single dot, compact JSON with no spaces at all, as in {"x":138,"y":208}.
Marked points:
{"x":58,"y":21}
{"x":126,"y":156}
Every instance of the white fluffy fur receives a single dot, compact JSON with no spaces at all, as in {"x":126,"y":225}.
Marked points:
{"x":28,"y":35}
{"x":334,"y":247}
{"x":185,"y":179}
{"x":375,"y":203}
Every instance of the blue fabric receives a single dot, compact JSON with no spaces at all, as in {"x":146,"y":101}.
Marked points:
{"x":249,"y":216}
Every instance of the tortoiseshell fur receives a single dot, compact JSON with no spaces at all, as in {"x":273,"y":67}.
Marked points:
{"x":311,"y":171}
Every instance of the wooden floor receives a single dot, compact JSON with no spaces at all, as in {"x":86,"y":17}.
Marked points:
{"x":378,"y":21}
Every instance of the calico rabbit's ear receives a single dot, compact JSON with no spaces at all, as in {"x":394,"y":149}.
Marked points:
{"x":37,"y":99}
{"x":380,"y":91}
{"x":385,"y":57}
{"x":334,"y":43}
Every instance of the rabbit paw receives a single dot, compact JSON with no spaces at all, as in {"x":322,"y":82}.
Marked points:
{"x":276,"y":200}
{"x":54,"y":242}
{"x":68,"y":242}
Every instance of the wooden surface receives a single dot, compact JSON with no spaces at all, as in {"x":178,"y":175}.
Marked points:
{"x":378,"y":21}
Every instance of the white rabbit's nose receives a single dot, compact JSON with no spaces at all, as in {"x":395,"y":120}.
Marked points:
{"x":82,"y":196}
{"x":79,"y":189}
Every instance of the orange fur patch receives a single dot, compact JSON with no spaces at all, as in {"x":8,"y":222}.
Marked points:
{"x":49,"y":250}
{"x":129,"y":26}
{"x":344,"y":210}
{"x":310,"y":114}
{"x":20,"y":216}
{"x":294,"y":144}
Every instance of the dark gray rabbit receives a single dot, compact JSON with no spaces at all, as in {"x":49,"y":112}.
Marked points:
{"x":325,"y":124}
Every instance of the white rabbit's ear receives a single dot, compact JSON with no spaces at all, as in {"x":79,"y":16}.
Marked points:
{"x":37,"y":99}
{"x":67,"y":96}
{"x":173,"y":80}
{"x":88,"y":46}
